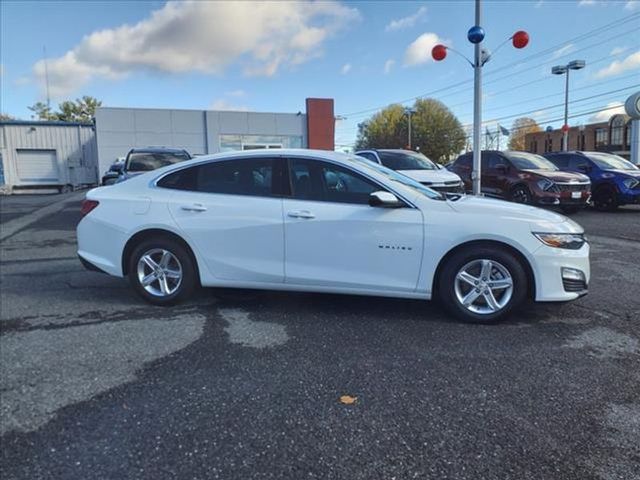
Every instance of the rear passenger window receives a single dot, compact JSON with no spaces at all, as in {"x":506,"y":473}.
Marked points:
{"x":560,"y":161}
{"x":233,"y":177}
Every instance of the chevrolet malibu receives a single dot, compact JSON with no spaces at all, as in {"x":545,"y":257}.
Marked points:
{"x":317,"y":221}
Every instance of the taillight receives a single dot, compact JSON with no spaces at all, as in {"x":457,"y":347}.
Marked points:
{"x":87,"y":206}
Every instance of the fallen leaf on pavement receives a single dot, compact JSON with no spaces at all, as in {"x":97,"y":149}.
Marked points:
{"x":348,"y":399}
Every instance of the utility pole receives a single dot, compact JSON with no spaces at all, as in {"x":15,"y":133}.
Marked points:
{"x":477,"y":102}
{"x":409,"y":111}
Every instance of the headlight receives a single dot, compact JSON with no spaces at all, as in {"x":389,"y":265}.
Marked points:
{"x":546,"y":185}
{"x":630,"y":183}
{"x":570,"y":241}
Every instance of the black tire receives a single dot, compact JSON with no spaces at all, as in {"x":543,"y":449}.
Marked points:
{"x":189,"y":279}
{"x":447,"y":283}
{"x":605,"y":199}
{"x":521,"y":194}
{"x":570,"y":210}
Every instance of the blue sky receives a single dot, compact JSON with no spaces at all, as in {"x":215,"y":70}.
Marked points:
{"x":271,"y":56}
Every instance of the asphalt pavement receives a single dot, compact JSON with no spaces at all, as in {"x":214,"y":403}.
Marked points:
{"x":97,"y":384}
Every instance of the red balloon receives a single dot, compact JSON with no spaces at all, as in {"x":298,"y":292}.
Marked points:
{"x":520,"y":39}
{"x":439,"y":52}
{"x":565,"y":128}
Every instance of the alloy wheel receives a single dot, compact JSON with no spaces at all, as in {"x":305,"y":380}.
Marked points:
{"x":159,"y":272}
{"x":520,"y":195}
{"x":483,"y":286}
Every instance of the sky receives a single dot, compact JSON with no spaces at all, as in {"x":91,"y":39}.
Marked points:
{"x":270,"y":56}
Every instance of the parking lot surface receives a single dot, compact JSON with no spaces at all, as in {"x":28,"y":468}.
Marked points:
{"x":97,"y":384}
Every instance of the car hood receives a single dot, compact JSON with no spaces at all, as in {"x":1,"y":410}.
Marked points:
{"x":629,"y":173}
{"x":559,"y":176}
{"x":432,"y":176}
{"x":499,"y":210}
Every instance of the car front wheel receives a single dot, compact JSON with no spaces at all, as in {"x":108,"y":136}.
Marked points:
{"x":483,"y":284}
{"x":162,"y":272}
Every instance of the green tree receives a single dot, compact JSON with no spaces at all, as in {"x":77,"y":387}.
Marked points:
{"x":519,"y":129}
{"x":42,"y":111}
{"x":81,"y":110}
{"x":434,"y":129}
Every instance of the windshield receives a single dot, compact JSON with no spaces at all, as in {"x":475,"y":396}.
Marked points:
{"x":530,"y":161}
{"x":406,"y":161}
{"x":147,"y":161}
{"x":398,"y":177}
{"x":608,"y":161}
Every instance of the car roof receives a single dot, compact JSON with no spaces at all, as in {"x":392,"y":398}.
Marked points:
{"x":157,"y":150}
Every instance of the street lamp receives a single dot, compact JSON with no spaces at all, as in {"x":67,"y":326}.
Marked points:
{"x":409,"y":112}
{"x":475,"y":35}
{"x":564,"y":70}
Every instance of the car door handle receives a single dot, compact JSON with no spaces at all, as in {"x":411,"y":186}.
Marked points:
{"x":301,"y":214}
{"x":196,"y":207}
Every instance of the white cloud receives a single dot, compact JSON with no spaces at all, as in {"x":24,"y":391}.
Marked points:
{"x":619,"y":66}
{"x":632,"y":5}
{"x":222,"y":104}
{"x":406,"y":22}
{"x":586,"y":3}
{"x":388,"y":65}
{"x":420,"y":49}
{"x":207,"y":37}
{"x":236,"y":93}
{"x":568,"y":48}
{"x":618,"y":50}
{"x":539,"y":3}
{"x":611,"y":109}
{"x":346,"y":68}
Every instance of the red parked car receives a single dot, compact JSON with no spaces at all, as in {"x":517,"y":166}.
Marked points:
{"x":526,"y":178}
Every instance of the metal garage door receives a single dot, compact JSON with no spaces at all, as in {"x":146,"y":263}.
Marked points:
{"x":37,"y":167}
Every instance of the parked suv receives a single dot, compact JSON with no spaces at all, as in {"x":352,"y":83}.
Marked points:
{"x":416,"y":166}
{"x":112,"y":175}
{"x":526,"y":178}
{"x":614,"y":180}
{"x":141,"y":160}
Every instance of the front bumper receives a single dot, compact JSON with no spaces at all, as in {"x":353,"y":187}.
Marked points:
{"x":548,"y":270}
{"x":577,"y":198}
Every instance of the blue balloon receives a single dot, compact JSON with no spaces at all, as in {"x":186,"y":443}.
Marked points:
{"x":475,"y":34}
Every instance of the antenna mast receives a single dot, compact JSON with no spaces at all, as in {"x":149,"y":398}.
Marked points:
{"x":46,"y":75}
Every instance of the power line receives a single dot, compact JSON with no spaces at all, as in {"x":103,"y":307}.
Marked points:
{"x":552,"y":49}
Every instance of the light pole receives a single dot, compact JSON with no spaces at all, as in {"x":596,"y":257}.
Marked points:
{"x":475,"y":35}
{"x":564,"y":70}
{"x":409,"y":112}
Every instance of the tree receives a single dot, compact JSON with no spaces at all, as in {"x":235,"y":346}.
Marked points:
{"x":42,"y":111}
{"x":519,"y":129}
{"x":5,"y":117}
{"x":434,"y":129}
{"x":81,"y":110}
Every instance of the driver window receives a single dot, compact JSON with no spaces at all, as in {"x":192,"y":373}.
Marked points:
{"x":322,"y":181}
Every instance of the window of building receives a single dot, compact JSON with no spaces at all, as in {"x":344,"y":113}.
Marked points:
{"x":601,"y":136}
{"x":322,"y":181}
{"x":627,"y":136}
{"x":548,"y":145}
{"x":252,"y":142}
{"x":617,"y":130}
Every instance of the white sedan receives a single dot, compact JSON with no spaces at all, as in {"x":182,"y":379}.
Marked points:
{"x":319,"y":221}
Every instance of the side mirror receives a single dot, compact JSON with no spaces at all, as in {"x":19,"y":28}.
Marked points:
{"x":384,"y":200}
{"x":502,"y":168}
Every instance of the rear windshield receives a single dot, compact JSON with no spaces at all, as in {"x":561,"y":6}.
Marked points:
{"x":406,"y":161}
{"x":147,"y":161}
{"x":530,"y":161}
{"x":608,"y":161}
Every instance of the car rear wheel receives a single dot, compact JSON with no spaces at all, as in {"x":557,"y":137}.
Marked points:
{"x":604,"y":199}
{"x":520,"y":194}
{"x":162,"y":272}
{"x":482,"y":285}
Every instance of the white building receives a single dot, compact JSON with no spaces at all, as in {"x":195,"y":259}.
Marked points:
{"x":36,"y":155}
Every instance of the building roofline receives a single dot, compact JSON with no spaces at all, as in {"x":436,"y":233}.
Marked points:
{"x":54,"y":123}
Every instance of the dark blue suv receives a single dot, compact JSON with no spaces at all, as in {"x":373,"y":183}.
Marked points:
{"x":614,"y":180}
